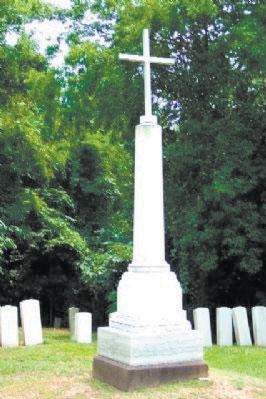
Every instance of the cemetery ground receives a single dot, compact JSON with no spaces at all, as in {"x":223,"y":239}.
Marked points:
{"x":61,"y":369}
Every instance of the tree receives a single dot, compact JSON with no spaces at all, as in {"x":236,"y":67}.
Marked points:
{"x":66,"y":151}
{"x":60,"y":190}
{"x":214,"y":119}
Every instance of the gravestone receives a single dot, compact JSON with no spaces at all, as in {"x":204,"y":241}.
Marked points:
{"x":31,"y":322}
{"x":202,"y":323}
{"x":148,"y":340}
{"x":57,"y":322}
{"x":259,"y":325}
{"x":9,"y":326}
{"x":71,"y":321}
{"x":83,"y":327}
{"x":224,"y":326}
{"x":241,"y":327}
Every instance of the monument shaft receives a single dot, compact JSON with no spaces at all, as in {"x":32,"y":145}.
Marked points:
{"x":148,"y":236}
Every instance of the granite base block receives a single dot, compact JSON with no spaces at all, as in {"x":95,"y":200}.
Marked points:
{"x":146,"y":348}
{"x":128,"y":378}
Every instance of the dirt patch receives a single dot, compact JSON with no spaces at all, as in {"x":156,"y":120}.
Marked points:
{"x":221,"y":385}
{"x":234,"y":386}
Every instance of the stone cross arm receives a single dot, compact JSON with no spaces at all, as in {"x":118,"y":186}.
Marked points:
{"x":153,"y":60}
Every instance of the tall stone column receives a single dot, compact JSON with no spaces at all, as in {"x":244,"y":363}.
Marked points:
{"x":149,"y":339}
{"x":149,"y":331}
{"x":148,"y":236}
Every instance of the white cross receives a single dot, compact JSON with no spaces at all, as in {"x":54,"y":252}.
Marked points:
{"x":146,"y":59}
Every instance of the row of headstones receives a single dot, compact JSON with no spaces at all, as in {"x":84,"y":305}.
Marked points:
{"x":30,"y":321}
{"x":228,"y":320}
{"x":80,"y":325}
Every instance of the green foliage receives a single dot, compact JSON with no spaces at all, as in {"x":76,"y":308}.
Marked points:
{"x":215,"y":108}
{"x":6,"y":243}
{"x":13,"y":13}
{"x":112,"y":299}
{"x":86,"y":100}
{"x":61,"y":185}
{"x":66,"y":151}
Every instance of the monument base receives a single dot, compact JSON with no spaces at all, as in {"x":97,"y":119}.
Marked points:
{"x":128,"y":378}
{"x":149,"y":347}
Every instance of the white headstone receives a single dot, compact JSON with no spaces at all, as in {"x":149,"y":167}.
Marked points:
{"x":83,"y":327}
{"x":31,"y":321}
{"x":259,"y":325}
{"x":224,"y":326}
{"x":71,"y":321}
{"x":57,"y":322}
{"x":9,"y":326}
{"x":202,"y":323}
{"x":241,"y":327}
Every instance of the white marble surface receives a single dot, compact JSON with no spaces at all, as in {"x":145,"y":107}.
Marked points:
{"x":31,"y":321}
{"x":259,"y":325}
{"x":158,"y":300}
{"x":150,"y":325}
{"x":241,"y":327}
{"x":224,"y":326}
{"x":149,"y":348}
{"x":83,"y":327}
{"x":201,"y":317}
{"x":148,"y":236}
{"x":71,"y":321}
{"x":9,"y":326}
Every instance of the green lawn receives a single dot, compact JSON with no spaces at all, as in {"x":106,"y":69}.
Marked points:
{"x":57,"y":355}
{"x":250,"y":361}
{"x":61,"y":369}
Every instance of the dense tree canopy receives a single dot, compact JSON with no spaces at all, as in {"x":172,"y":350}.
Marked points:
{"x":67,"y":145}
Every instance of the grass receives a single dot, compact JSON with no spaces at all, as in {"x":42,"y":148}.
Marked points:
{"x":58,"y":355}
{"x":246,"y":360}
{"x":61,"y":369}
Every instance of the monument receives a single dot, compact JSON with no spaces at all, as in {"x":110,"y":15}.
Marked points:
{"x":149,"y":339}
